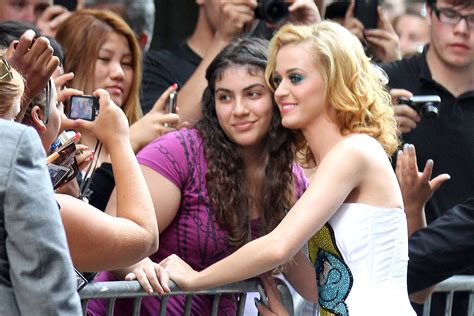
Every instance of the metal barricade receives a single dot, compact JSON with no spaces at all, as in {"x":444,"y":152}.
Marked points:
{"x":459,"y":283}
{"x":132,"y":289}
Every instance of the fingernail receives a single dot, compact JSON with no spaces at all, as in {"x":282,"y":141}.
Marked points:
{"x":399,"y":153}
{"x":175,"y":85}
{"x":150,"y":291}
{"x":405,"y":146}
{"x":257,"y":302}
{"x":430,"y":162}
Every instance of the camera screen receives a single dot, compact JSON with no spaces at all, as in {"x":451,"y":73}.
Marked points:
{"x":82,"y":108}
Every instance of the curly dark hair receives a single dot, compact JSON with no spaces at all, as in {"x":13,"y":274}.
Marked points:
{"x":229,"y":192}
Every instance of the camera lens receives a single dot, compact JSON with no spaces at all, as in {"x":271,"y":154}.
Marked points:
{"x":272,"y":11}
{"x":429,"y":110}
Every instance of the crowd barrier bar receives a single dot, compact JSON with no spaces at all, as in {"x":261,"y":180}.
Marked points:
{"x":458,"y":283}
{"x":132,"y":289}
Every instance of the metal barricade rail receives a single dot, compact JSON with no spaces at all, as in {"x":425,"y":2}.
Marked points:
{"x":459,"y":283}
{"x":132,"y":289}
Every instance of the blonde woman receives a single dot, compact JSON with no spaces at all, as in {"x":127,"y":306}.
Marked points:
{"x":352,"y":212}
{"x":12,"y":87}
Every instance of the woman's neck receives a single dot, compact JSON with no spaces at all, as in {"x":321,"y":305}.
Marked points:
{"x":321,"y":137}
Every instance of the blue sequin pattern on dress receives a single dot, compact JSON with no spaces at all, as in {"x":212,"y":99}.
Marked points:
{"x":334,"y":277}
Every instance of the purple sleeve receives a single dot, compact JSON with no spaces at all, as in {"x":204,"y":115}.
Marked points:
{"x":301,"y":182}
{"x":166,"y":155}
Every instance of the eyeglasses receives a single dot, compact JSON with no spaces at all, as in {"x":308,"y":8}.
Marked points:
{"x":452,"y":17}
{"x":5,"y":70}
{"x":47,"y":107}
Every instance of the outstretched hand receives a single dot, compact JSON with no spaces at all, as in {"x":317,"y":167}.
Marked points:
{"x":151,"y":276}
{"x":179,"y":271}
{"x":416,"y":187}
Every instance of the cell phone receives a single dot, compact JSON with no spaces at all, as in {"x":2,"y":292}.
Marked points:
{"x":63,"y":166}
{"x":171,"y":104}
{"x":57,"y":174}
{"x":366,"y":12}
{"x":71,"y":5}
{"x":84,"y":107}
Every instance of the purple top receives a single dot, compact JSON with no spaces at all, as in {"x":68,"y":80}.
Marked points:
{"x":193,"y":235}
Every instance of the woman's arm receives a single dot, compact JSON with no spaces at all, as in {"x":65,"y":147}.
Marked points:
{"x":98,"y":241}
{"x":302,"y":276}
{"x":307,"y":216}
{"x":417,"y":189}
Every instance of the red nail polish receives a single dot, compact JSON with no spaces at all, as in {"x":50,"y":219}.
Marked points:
{"x":175,"y":85}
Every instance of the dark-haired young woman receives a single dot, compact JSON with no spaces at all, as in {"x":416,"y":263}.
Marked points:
{"x":218,"y":185}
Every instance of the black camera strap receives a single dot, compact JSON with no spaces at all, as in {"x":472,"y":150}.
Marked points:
{"x":84,"y":190}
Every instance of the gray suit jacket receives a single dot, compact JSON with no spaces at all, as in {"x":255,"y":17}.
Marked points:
{"x":36,"y":273}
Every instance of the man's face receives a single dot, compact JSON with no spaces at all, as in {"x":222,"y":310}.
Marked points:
{"x":453,"y":44}
{"x":23,"y":10}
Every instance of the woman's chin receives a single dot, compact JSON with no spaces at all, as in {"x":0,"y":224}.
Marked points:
{"x":117,"y":99}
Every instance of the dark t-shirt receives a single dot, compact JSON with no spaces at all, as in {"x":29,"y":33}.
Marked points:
{"x":448,"y":140}
{"x":163,"y":68}
{"x":443,"y":249}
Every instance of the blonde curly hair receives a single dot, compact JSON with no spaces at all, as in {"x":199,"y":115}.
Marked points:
{"x":354,"y":87}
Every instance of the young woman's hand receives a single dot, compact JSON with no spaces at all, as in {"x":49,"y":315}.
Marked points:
{"x":110,"y":126}
{"x":275,"y":306}
{"x":151,"y":276}
{"x":154,"y":124}
{"x":84,"y":156}
{"x":416,"y":187}
{"x":33,"y":58}
{"x":179,"y":271}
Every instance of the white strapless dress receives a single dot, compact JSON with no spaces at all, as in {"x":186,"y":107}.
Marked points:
{"x":361,"y":257}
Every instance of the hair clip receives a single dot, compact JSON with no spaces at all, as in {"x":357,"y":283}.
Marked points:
{"x":5,"y":70}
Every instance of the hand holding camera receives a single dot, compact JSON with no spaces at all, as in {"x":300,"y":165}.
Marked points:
{"x":425,"y":105}
{"x":235,"y":17}
{"x":275,"y":12}
{"x":366,"y":20}
{"x":161,"y":119}
{"x":110,"y":124}
{"x":410,"y":110}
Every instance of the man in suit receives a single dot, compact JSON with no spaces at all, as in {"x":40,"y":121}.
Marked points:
{"x":36,"y":272}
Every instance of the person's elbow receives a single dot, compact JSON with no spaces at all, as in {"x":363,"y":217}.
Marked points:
{"x":152,"y":240}
{"x":420,"y":297}
{"x":280,"y":249}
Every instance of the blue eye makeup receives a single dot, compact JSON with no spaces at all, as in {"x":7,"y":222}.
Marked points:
{"x":295,"y":78}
